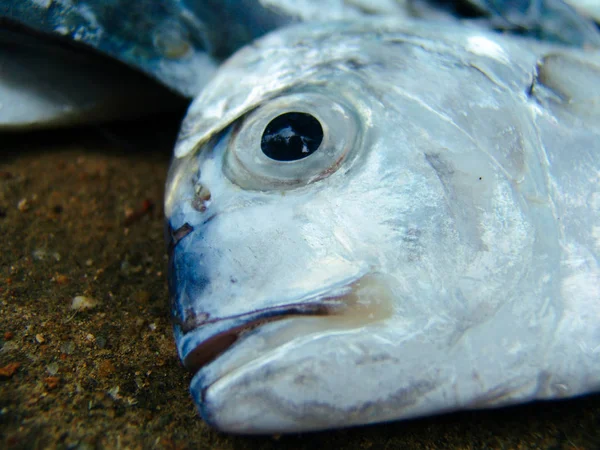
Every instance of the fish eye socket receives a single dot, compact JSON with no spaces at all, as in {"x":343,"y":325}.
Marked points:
{"x":291,"y":141}
{"x":292,"y":136}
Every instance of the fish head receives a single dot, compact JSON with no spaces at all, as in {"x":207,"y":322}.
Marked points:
{"x":336,"y":224}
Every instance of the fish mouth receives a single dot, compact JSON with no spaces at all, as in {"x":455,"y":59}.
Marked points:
{"x":210,"y":348}
{"x":358,"y":303}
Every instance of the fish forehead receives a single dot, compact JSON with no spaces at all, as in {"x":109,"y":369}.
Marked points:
{"x":298,"y":54}
{"x":450,"y":198}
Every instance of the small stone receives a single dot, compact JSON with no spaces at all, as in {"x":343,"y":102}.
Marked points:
{"x":52,"y":382}
{"x":81,"y":302}
{"x":89,"y":262}
{"x":86,"y":446}
{"x":67,"y":347}
{"x":101,"y":342}
{"x":125,"y":267}
{"x":52,"y":368}
{"x":9,"y":370}
{"x":152,"y":326}
{"x":23,"y":205}
{"x":10,"y":346}
{"x":141,"y":297}
{"x":114,"y":393}
{"x":40,"y":338}
{"x":61,"y":279}
{"x":106,"y":368}
{"x":42,"y":254}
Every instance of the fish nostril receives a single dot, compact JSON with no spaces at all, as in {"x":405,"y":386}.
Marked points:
{"x":202,"y":197}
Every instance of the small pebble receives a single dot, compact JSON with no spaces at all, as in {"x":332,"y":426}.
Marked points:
{"x":9,"y":370}
{"x":40,"y":338}
{"x":43,"y":254}
{"x":141,"y":297}
{"x":23,"y":205}
{"x":52,"y":368}
{"x":61,"y":279}
{"x":52,"y":382}
{"x":101,"y":342}
{"x":106,"y":368}
{"x":81,"y":302}
{"x":67,"y":347}
{"x":114,"y":393}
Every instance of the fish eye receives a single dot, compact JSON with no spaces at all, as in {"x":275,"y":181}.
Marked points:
{"x":291,"y":136}
{"x":291,"y":141}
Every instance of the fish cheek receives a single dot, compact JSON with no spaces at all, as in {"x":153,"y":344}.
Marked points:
{"x":461,"y":189}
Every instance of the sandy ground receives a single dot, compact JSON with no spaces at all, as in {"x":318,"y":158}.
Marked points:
{"x":81,"y":215}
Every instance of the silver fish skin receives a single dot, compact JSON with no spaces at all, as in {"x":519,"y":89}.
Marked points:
{"x":438,"y":251}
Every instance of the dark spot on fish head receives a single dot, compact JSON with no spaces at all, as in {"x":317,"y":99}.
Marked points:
{"x":355,"y":64}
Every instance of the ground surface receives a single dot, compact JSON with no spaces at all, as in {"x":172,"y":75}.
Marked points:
{"x":81,"y":215}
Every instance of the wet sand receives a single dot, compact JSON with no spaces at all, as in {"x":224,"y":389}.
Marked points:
{"x":81,"y":216}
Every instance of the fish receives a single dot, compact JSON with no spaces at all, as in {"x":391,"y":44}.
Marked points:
{"x":60,"y":59}
{"x":382,"y":219}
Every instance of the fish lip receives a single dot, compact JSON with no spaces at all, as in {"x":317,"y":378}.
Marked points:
{"x":202,"y":339}
{"x":227,"y":330}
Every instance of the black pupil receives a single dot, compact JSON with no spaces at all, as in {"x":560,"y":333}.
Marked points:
{"x":291,"y":136}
